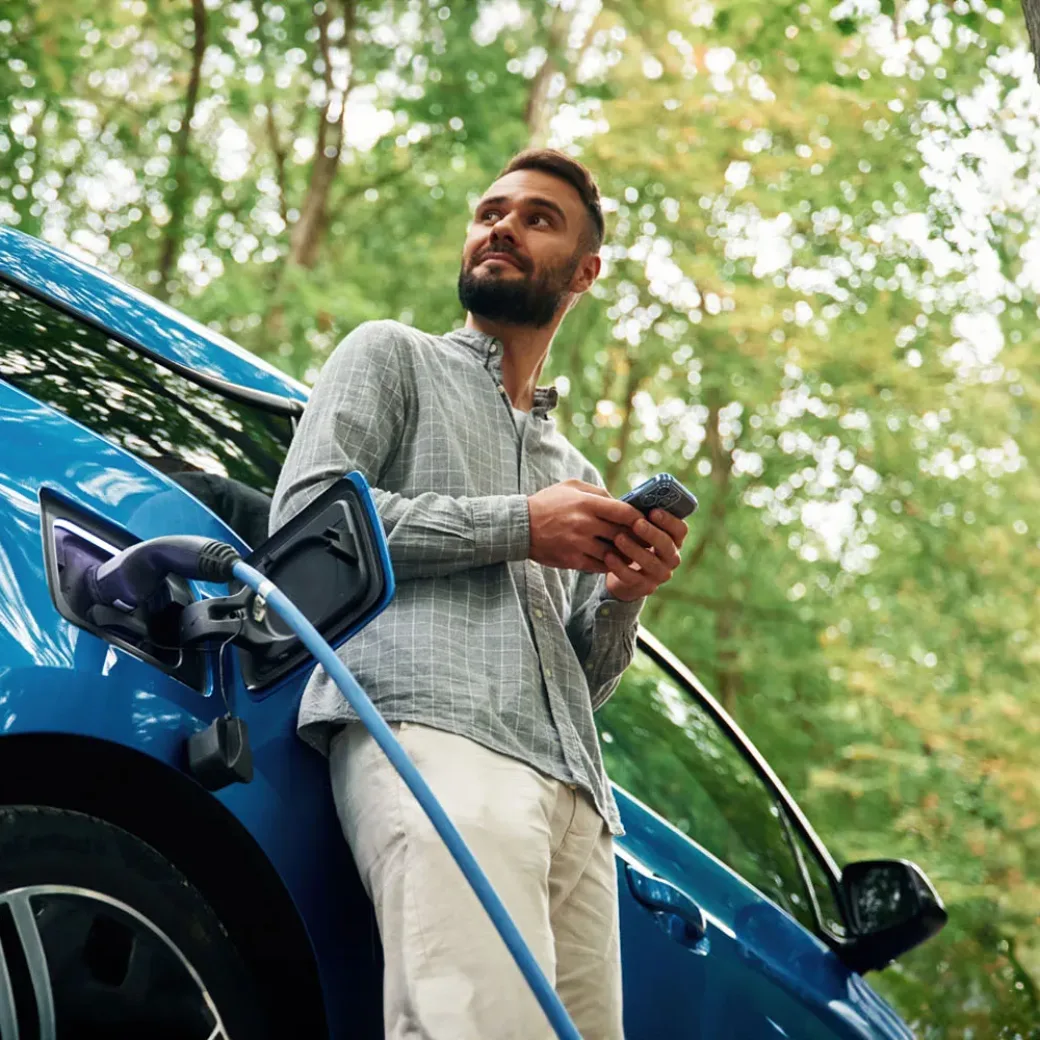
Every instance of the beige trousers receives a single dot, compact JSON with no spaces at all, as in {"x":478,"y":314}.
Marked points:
{"x":549,"y":856}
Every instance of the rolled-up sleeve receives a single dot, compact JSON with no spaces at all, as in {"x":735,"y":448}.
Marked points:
{"x":602,"y":631}
{"x":355,"y":420}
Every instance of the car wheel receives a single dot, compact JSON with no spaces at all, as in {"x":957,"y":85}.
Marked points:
{"x":100,"y":936}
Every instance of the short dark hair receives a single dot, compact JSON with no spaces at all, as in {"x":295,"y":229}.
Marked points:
{"x":558,"y":164}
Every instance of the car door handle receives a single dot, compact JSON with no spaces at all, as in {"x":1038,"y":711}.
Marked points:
{"x":674,"y":910}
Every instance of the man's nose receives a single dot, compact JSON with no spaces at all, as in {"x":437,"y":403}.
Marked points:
{"x":504,"y":229}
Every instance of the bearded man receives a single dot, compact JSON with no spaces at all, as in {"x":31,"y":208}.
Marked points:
{"x":520,"y":581}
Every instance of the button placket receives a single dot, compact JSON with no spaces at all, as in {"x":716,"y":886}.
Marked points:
{"x":558,"y":707}
{"x":532,"y":478}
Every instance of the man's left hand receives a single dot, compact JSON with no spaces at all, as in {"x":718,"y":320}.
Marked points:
{"x":646,"y":557}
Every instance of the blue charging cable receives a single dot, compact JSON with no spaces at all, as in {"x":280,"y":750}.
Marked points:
{"x":384,"y":737}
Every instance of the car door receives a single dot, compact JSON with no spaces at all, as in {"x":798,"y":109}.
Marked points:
{"x":724,"y":939}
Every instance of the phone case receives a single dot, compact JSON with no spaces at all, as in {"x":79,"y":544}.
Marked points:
{"x":662,"y":492}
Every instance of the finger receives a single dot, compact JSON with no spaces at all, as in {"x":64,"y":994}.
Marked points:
{"x":596,"y":547}
{"x":596,"y":528}
{"x":646,"y":559}
{"x":677,"y":528}
{"x":592,"y":565}
{"x":631,"y":580}
{"x":660,"y":541}
{"x":616,"y":511}
{"x":652,"y":566}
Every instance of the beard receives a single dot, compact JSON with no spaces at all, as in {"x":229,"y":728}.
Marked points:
{"x":531,"y":301}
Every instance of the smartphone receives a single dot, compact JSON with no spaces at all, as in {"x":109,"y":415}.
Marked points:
{"x":662,"y":492}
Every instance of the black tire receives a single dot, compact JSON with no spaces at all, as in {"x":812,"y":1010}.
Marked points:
{"x":116,"y":922}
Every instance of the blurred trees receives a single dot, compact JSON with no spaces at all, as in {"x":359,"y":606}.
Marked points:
{"x":817,"y":310}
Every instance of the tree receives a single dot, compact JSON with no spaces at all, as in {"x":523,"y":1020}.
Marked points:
{"x":818,"y":310}
{"x":1031,"y":10}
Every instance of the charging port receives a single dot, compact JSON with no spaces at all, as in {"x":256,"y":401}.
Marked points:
{"x":75,"y":542}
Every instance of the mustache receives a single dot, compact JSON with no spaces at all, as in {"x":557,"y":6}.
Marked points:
{"x":505,"y":250}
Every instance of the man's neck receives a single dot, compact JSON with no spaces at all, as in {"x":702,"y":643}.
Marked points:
{"x":524,"y":352}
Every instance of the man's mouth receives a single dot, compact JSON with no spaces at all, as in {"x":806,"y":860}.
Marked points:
{"x":503,"y":257}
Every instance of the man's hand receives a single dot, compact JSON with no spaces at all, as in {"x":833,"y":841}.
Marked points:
{"x":574,"y":524}
{"x":646,"y":557}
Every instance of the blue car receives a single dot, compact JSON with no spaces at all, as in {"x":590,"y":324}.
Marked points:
{"x":171,"y":864}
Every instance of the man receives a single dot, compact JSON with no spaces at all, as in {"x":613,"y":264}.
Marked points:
{"x":519,"y":584}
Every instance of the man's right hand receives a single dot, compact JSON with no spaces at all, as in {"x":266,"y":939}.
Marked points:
{"x":574,"y":524}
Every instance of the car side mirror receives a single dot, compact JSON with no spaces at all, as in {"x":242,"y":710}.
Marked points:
{"x":892,"y":907}
{"x":331,"y":560}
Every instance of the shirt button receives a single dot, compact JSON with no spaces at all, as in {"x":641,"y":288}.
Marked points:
{"x":537,"y":612}
{"x":604,"y":611}
{"x":492,"y":348}
{"x":548,"y":673}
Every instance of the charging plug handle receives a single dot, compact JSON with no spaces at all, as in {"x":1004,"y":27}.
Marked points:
{"x":136,"y":573}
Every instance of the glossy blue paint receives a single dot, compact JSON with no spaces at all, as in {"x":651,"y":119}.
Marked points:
{"x":134,"y":316}
{"x":55,"y":678}
{"x":755,"y":972}
{"x":762,"y":970}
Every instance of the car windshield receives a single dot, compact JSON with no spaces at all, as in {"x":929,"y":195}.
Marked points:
{"x":226,"y":452}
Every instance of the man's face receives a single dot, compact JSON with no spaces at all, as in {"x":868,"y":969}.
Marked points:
{"x":524,"y":253}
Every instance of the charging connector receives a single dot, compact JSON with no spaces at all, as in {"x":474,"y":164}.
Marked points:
{"x":135,"y":574}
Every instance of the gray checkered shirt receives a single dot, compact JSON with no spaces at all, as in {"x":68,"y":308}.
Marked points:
{"x":479,"y":640}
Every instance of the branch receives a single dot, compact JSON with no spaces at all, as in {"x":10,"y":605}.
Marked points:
{"x":326,"y":64}
{"x":279,"y":152}
{"x":538,"y":95}
{"x":1031,"y":9}
{"x":309,"y":231}
{"x":727,"y":674}
{"x":388,"y":177}
{"x":632,"y":382}
{"x":179,"y":196}
{"x":721,"y":469}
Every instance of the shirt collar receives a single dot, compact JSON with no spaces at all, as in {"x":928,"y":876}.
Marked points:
{"x":489,"y":350}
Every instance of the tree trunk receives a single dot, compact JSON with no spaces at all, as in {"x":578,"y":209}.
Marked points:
{"x":306,"y":238}
{"x":278,"y":150}
{"x":178,"y":202}
{"x":633,"y":380}
{"x":728,"y":674}
{"x":1031,"y":9}
{"x":538,"y":110}
{"x":721,"y":468}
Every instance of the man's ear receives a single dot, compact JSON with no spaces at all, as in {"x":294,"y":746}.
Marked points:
{"x":586,"y":274}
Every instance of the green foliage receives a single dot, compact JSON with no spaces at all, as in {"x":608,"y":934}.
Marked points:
{"x":817,"y":309}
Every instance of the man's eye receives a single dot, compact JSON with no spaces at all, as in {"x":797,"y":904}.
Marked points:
{"x":544,"y":220}
{"x":490,"y":214}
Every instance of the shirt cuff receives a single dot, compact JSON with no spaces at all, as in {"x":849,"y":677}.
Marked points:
{"x":618,"y":611}
{"x":502,"y":528}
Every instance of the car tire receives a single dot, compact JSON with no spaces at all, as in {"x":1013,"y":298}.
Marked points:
{"x":103,"y":937}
